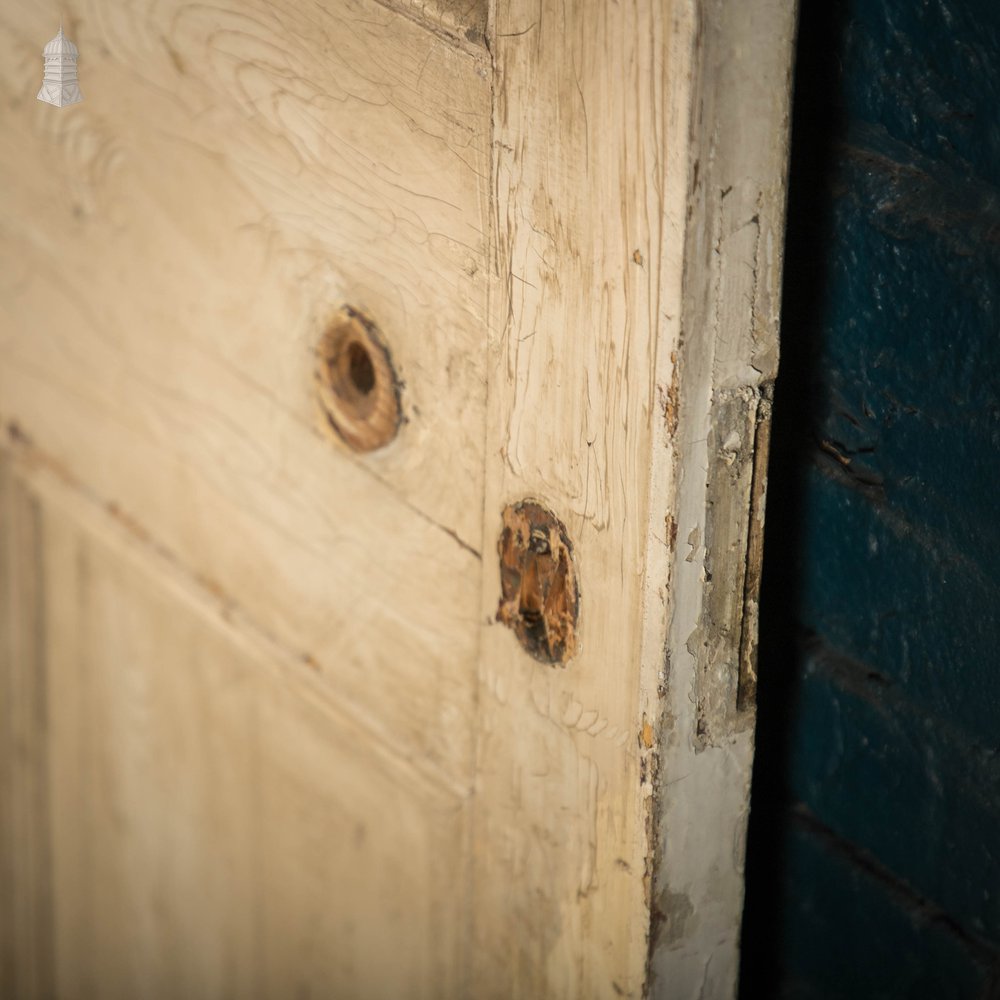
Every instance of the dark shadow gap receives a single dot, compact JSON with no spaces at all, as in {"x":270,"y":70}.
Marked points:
{"x":818,"y":125}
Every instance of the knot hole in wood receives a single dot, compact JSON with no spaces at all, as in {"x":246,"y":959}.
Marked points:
{"x":358,"y":386}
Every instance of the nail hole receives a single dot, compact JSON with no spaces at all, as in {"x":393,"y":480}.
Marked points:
{"x":357,"y":385}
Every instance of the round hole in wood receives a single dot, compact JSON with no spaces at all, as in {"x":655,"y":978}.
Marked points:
{"x":540,"y":596}
{"x":358,"y":388}
{"x":360,"y":368}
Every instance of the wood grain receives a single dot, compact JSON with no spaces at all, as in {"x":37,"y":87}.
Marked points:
{"x":25,"y":862}
{"x":270,"y":669}
{"x":172,"y":250}
{"x":461,"y":21}
{"x":579,"y":363}
{"x":217,"y":826}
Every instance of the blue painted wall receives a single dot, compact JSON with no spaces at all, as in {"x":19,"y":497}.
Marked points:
{"x":874,"y":848}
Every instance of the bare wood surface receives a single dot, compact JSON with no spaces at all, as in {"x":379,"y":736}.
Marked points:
{"x":217,"y":826}
{"x":579,"y":369}
{"x":25,"y":862}
{"x":173,"y":248}
{"x":281,"y":687}
{"x":463,"y":21}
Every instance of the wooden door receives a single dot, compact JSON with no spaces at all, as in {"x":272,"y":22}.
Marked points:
{"x":384,"y":390}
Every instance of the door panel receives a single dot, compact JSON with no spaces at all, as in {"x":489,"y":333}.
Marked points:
{"x":217,"y":828}
{"x":169,"y":274}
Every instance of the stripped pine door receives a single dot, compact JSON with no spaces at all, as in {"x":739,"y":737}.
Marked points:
{"x":384,"y":391}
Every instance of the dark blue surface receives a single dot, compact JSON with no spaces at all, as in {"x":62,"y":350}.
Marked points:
{"x":874,"y":848}
{"x":830,"y":930}
{"x":903,"y":785}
